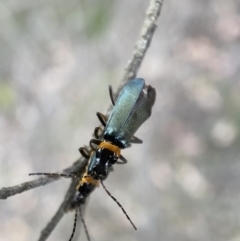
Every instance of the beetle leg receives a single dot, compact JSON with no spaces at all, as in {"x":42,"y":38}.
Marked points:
{"x":84,"y":152}
{"x":136,"y":140}
{"x":94,"y":142}
{"x":122,"y":159}
{"x":98,"y":132}
{"x":111,"y":95}
{"x":102,"y":118}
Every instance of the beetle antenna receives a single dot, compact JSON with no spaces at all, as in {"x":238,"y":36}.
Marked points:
{"x":114,"y":199}
{"x":74,"y":225}
{"x":49,"y":174}
{"x":84,"y":224}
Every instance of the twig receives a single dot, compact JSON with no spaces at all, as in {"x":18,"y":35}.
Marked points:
{"x":143,"y":43}
{"x":6,"y":192}
{"x":78,"y":167}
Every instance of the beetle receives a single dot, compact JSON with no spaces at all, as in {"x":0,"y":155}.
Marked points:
{"x":131,"y":109}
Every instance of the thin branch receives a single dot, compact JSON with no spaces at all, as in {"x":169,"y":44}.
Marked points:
{"x":143,"y":43}
{"x":6,"y":192}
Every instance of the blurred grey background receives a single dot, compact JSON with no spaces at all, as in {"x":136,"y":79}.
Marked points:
{"x":57,"y":59}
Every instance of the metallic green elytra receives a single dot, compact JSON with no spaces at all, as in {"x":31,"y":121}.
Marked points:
{"x":132,"y":108}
